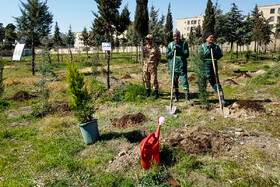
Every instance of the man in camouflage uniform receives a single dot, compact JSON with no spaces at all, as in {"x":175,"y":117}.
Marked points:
{"x":204,"y":52}
{"x":152,"y":58}
{"x":182,"y":53}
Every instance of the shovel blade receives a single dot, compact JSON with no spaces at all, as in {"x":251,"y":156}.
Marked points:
{"x":223,"y":112}
{"x":170,"y":109}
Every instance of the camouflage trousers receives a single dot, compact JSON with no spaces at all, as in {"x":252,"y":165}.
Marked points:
{"x":151,"y":77}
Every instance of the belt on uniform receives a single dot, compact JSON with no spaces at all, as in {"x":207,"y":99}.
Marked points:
{"x":209,"y":59}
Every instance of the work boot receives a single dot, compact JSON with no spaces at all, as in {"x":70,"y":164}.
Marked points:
{"x":176,"y":95}
{"x":187,"y":96}
{"x":148,"y":93}
{"x":156,"y":94}
{"x":224,"y":103}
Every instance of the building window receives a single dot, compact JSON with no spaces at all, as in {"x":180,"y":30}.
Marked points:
{"x":188,"y":35}
{"x":271,"y":26}
{"x":188,"y":22}
{"x":272,"y":11}
{"x":278,"y":10}
{"x":194,"y":21}
{"x":198,"y":22}
{"x":271,"y":18}
{"x":188,"y":29}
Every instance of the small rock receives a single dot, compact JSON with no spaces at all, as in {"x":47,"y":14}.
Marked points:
{"x":175,"y":116}
{"x":241,"y":143}
{"x":110,"y":162}
{"x":279,"y":146}
{"x":239,"y":130}
{"x":213,"y":118}
{"x":263,"y":146}
{"x":122,"y":153}
{"x":14,"y":149}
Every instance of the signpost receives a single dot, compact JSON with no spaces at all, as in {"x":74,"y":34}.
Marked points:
{"x":107,"y":47}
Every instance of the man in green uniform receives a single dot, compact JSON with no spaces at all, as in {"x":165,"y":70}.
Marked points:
{"x":204,"y":52}
{"x":182,"y":53}
{"x":152,"y":58}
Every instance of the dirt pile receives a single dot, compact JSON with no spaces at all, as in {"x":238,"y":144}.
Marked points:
{"x":126,"y":77}
{"x":131,"y":120}
{"x":243,"y":76}
{"x":199,"y":140}
{"x":21,"y":96}
{"x":62,"y":108}
{"x":192,"y":79}
{"x":246,"y":109}
{"x":230,"y":82}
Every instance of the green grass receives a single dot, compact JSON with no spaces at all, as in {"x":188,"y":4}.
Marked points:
{"x":50,"y":150}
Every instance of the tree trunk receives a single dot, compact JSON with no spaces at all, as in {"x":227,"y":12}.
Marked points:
{"x":142,"y":62}
{"x":137,"y":54}
{"x":237,"y":52}
{"x":58,"y":55}
{"x":108,"y":70}
{"x":33,"y":56}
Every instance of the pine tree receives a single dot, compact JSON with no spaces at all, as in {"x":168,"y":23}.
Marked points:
{"x":86,"y":39}
{"x":34,"y":24}
{"x":168,"y":27}
{"x":255,"y":15}
{"x":10,"y":36}
{"x":277,"y":31}
{"x":57,"y":39}
{"x":70,"y":41}
{"x":156,"y":26}
{"x":2,"y":33}
{"x":108,"y":21}
{"x":209,"y":19}
{"x":141,"y":19}
{"x":191,"y":40}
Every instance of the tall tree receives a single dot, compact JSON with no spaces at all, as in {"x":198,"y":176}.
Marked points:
{"x":277,"y":31}
{"x":209,"y":19}
{"x":70,"y":41}
{"x":108,"y":21}
{"x":133,"y":39}
{"x":156,"y":27}
{"x":141,"y":21}
{"x":10,"y":36}
{"x":255,"y":15}
{"x":57,"y":39}
{"x":191,"y":39}
{"x":234,"y":26}
{"x":198,"y":36}
{"x":85,"y":37}
{"x":34,"y":24}
{"x":2,"y":33}
{"x":168,"y":27}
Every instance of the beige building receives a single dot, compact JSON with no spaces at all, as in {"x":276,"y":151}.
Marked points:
{"x":271,"y":12}
{"x":186,"y":24}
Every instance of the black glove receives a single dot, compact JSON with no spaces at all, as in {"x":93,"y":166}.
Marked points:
{"x":211,"y":46}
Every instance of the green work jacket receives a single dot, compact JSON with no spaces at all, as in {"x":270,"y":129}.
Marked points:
{"x":182,"y":53}
{"x":205,"y":55}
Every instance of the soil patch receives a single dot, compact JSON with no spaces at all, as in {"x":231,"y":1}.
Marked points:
{"x":243,"y":76}
{"x":126,"y":77}
{"x":131,"y":120}
{"x":21,"y":96}
{"x":246,"y":109}
{"x":199,"y":140}
{"x":230,"y":82}
{"x":114,"y":78}
{"x":62,"y":108}
{"x":192,"y":79}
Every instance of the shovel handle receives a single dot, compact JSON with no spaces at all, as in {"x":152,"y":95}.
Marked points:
{"x":172,"y":78}
{"x":216,"y":78}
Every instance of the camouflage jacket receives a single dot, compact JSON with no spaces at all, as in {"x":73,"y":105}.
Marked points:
{"x":152,"y":57}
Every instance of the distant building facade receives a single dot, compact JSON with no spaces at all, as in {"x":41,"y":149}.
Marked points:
{"x":271,"y":12}
{"x":186,"y":24}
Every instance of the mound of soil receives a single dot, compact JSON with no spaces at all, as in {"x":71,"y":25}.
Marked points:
{"x":62,"y":108}
{"x":192,"y":79}
{"x":21,"y":96}
{"x":114,"y":78}
{"x":131,"y":120}
{"x":246,"y":109}
{"x":243,"y":76}
{"x":199,"y":140}
{"x":126,"y":77}
{"x":230,"y":82}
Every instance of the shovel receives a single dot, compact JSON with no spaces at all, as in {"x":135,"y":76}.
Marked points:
{"x":222,"y":110}
{"x":172,"y":109}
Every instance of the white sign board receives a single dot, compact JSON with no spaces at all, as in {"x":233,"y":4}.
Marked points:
{"x":106,"y":46}
{"x":18,"y":52}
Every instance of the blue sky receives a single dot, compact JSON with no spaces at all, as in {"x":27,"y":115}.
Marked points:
{"x":77,"y":13}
